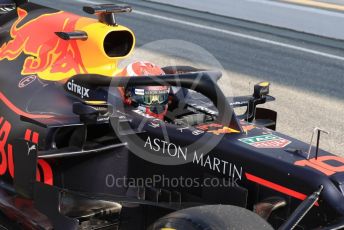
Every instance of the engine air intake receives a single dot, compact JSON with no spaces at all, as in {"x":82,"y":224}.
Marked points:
{"x":118,"y":43}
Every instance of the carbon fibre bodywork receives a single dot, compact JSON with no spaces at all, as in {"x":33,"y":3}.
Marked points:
{"x":76,"y":137}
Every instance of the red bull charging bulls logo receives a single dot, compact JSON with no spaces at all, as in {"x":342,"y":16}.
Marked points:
{"x":47,"y":55}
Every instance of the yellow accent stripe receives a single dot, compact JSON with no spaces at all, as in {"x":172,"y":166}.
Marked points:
{"x":95,"y":102}
{"x":324,"y":5}
{"x":264,"y":84}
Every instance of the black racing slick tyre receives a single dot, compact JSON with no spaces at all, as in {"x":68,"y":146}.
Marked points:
{"x":211,"y":217}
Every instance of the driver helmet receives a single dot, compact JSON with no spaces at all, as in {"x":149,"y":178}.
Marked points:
{"x":151,"y":100}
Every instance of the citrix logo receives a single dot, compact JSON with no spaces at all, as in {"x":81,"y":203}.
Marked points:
{"x":82,"y":91}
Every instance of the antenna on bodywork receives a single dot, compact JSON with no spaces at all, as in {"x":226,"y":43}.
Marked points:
{"x":318,"y":131}
{"x":248,"y":107}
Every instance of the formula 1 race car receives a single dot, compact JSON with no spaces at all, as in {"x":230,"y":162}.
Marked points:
{"x":75,"y":156}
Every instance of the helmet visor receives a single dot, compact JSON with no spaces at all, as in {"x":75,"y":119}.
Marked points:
{"x":150,"y":96}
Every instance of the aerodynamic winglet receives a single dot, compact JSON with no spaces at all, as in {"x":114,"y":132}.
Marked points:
{"x":107,"y":12}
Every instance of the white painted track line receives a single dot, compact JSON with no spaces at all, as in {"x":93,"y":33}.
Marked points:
{"x":241,"y":35}
{"x":232,"y":33}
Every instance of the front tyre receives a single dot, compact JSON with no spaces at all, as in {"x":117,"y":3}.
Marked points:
{"x":211,"y":217}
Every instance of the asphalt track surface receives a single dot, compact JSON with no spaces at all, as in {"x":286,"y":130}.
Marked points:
{"x":306,"y":72}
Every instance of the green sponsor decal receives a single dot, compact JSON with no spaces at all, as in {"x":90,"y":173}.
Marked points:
{"x":266,"y":141}
{"x":262,"y":138}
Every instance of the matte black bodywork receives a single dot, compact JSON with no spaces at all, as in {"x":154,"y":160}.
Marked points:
{"x":78,"y":154}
